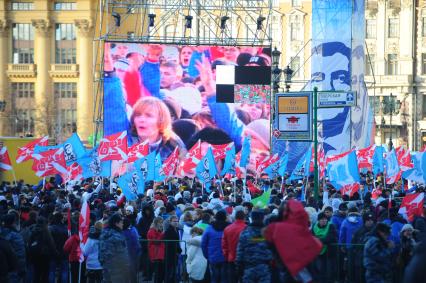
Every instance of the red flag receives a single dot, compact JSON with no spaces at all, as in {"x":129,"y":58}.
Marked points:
{"x":171,"y":163}
{"x":191,"y":160}
{"x":412,"y":205}
{"x":265,"y":162}
{"x":321,"y":161}
{"x":25,"y":152}
{"x":239,"y":171}
{"x":74,"y":172}
{"x":138,"y":151}
{"x":83,"y":226}
{"x":404,"y":158}
{"x":5,"y":163}
{"x":113,"y":147}
{"x":49,"y":162}
{"x":219,"y":150}
{"x":349,"y":189}
{"x":365,"y":157}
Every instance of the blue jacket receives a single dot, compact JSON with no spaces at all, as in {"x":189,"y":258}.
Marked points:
{"x":211,"y":244}
{"x":350,"y":225}
{"x":377,"y":257}
{"x":150,"y":74}
{"x":133,"y":245}
{"x":115,"y":118}
{"x":91,"y":252}
{"x":337,"y":220}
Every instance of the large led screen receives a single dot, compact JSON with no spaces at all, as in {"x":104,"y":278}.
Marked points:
{"x":175,"y":95}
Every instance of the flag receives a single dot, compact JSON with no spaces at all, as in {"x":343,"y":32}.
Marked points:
{"x":206,"y":169}
{"x":245,"y":152}
{"x":74,"y":173}
{"x":170,"y":164}
{"x":412,"y":205}
{"x":92,"y":165}
{"x":282,"y":167}
{"x":321,"y":161}
{"x":131,"y":185}
{"x":349,"y":189}
{"x":49,"y":162}
{"x":266,"y":162}
{"x":5,"y":163}
{"x":393,"y":173}
{"x":240,"y":172}
{"x":299,"y":171}
{"x":344,"y":171}
{"x":263,"y":200}
{"x":25,"y":152}
{"x":192,"y":158}
{"x":271,"y":166}
{"x":83,"y":227}
{"x":333,"y":158}
{"x":113,"y":147}
{"x":404,"y":158}
{"x":365,"y":157}
{"x":147,"y":167}
{"x":73,"y":149}
{"x":229,"y":165}
{"x":137,"y":151}
{"x":220,"y":150}
{"x":418,"y":173}
{"x":378,"y":160}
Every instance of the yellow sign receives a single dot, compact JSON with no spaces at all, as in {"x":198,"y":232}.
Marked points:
{"x":297,"y":105}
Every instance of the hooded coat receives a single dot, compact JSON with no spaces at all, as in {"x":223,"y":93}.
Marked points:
{"x":91,"y":250}
{"x":295,"y":244}
{"x":211,"y":242}
{"x":196,"y":263}
{"x":350,"y":225}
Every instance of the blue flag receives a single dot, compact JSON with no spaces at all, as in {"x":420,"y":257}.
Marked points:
{"x":299,"y":171}
{"x":158,"y":172}
{"x":418,"y":173}
{"x":206,"y":169}
{"x":229,"y":165}
{"x":73,"y":149}
{"x":378,"y":160}
{"x":272,"y":170}
{"x":283,"y":165}
{"x":308,"y":160}
{"x":344,"y":171}
{"x":245,"y":152}
{"x":130,"y":184}
{"x":92,"y":166}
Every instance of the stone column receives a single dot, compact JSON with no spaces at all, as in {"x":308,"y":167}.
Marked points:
{"x":43,"y":95}
{"x":85,"y":88}
{"x":5,"y":96}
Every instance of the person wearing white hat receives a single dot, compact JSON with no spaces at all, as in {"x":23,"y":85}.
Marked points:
{"x":407,"y":245}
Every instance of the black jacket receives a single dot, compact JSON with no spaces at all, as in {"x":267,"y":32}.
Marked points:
{"x":8,"y":260}
{"x":415,"y":270}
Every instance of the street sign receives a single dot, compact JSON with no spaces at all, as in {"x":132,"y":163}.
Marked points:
{"x":293,"y":116}
{"x":336,"y":99}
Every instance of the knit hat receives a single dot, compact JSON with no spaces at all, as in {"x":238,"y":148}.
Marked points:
{"x":407,"y":227}
{"x":260,"y":130}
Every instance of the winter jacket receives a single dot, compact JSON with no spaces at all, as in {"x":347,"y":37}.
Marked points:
{"x":59,"y":234}
{"x":419,"y":224}
{"x":18,"y":246}
{"x":185,"y":236}
{"x":146,"y":221}
{"x":8,"y":260}
{"x":133,"y":246}
{"x":196,"y":263}
{"x":150,"y":75}
{"x":172,"y":249}
{"x":91,"y":251}
{"x":71,"y":247}
{"x":252,"y":248}
{"x":349,"y":226}
{"x":396,"y":228}
{"x":115,"y":119}
{"x":231,"y":235}
{"x":330,"y":238}
{"x":359,"y":239}
{"x":337,"y":220}
{"x":377,"y":256}
{"x":211,"y":243}
{"x":415,"y":271}
{"x":113,"y":255}
{"x":156,"y":248}
{"x":41,"y":244}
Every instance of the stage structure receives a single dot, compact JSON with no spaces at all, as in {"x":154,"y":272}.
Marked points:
{"x":236,"y":23}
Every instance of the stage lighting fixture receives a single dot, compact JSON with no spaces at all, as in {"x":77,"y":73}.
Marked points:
{"x":117,"y":18}
{"x":223,"y":22}
{"x":151,"y":19}
{"x":259,"y":22}
{"x":188,"y":21}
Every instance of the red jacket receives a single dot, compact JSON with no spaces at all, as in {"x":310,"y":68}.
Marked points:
{"x":72,"y":247}
{"x":156,"y":249}
{"x":231,"y":235}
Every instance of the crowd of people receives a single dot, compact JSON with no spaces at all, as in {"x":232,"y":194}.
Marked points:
{"x":174,"y":233}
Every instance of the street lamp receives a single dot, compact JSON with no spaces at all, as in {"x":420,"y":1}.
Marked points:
{"x":276,"y":77}
{"x":288,"y":74}
{"x":276,"y":57}
{"x":391,"y":107}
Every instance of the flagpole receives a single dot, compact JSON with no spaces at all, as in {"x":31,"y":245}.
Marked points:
{"x":14,"y":177}
{"x":316,"y":183}
{"x":44,"y":181}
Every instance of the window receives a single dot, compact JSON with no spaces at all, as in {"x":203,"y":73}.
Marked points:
{"x":130,"y":35}
{"x":65,"y":90}
{"x":23,"y":90}
{"x":23,"y":44}
{"x":424,"y":26}
{"x":393,"y":28}
{"x":375,"y":104}
{"x":424,"y":106}
{"x":296,"y":3}
{"x":370,"y":64}
{"x":295,"y":66}
{"x":392,"y":64}
{"x":25,"y":121}
{"x":370,"y":28}
{"x":58,"y":6}
{"x":68,"y":120}
{"x":423,"y":63}
{"x":22,"y":6}
{"x":295,"y":26}
{"x":65,"y":40}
